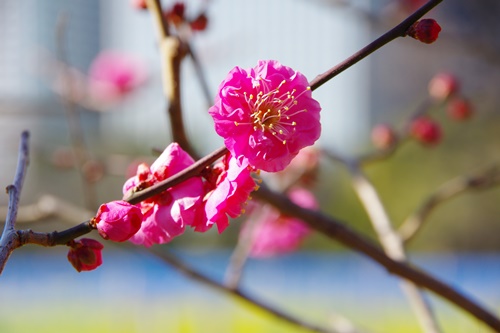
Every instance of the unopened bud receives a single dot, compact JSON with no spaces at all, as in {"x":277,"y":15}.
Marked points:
{"x":85,"y":254}
{"x":443,"y":85}
{"x":118,"y":220}
{"x":459,"y":109}
{"x":425,"y":130}
{"x":199,"y":23}
{"x":139,"y":4}
{"x":426,"y":31}
{"x":383,"y":136}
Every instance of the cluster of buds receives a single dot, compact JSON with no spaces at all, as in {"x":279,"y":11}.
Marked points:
{"x":176,"y":16}
{"x":444,"y":87}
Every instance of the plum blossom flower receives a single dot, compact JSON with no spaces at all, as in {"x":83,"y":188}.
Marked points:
{"x":266,"y":114}
{"x":112,"y":75}
{"x":166,"y":214}
{"x":118,"y":220}
{"x":274,"y":233}
{"x":85,"y":254}
{"x":228,"y":191}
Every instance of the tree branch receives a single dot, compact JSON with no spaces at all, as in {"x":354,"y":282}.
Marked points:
{"x":391,"y":242}
{"x":196,"y":275}
{"x":9,"y":240}
{"x":340,"y":232}
{"x":172,"y":51}
{"x":482,"y":181}
{"x":398,"y":31}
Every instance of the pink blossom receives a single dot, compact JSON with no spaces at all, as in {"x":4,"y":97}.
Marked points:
{"x":118,"y":220}
{"x":232,"y":189}
{"x":274,"y":233}
{"x":166,"y":214}
{"x":85,"y":254}
{"x":112,"y":75}
{"x":266,"y":114}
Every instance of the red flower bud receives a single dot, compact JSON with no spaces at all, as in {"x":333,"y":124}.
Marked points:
{"x":383,"y":136}
{"x":85,"y":254}
{"x":426,"y":31}
{"x":459,"y":109}
{"x":118,"y":220}
{"x":139,"y":4}
{"x":199,"y":23}
{"x":443,"y":85}
{"x":176,"y":14}
{"x":425,"y":130}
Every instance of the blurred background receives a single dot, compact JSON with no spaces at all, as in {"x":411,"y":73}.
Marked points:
{"x":43,"y":41}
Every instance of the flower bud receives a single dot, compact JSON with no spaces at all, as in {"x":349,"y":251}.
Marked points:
{"x":442,"y":86}
{"x":425,"y":130}
{"x":176,"y":14}
{"x":199,"y":23}
{"x":426,"y":31}
{"x":459,"y":109}
{"x":118,"y":220}
{"x":139,"y":4}
{"x":383,"y":136}
{"x":85,"y":254}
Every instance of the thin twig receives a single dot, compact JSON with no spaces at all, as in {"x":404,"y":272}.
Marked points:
{"x":48,"y":206}
{"x":201,"y":74}
{"x":482,"y":181}
{"x":239,"y":257}
{"x":198,"y":276}
{"x":178,"y":178}
{"x":391,"y":242}
{"x":9,"y":240}
{"x":398,"y":31}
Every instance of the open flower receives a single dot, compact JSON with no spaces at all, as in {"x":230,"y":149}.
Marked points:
{"x":166,"y":214}
{"x":274,"y":233}
{"x":266,"y":114}
{"x":112,"y":75}
{"x":229,"y":191}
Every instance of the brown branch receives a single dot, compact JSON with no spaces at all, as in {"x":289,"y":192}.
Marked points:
{"x":398,"y":31}
{"x":9,"y":239}
{"x":481,"y":181}
{"x":236,"y":292}
{"x":172,"y":51}
{"x":340,"y":232}
{"x":391,"y":243}
{"x":201,"y":74}
{"x":178,"y":178}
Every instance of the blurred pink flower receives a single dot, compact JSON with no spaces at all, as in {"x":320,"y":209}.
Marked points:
{"x":228,"y":192}
{"x":274,"y":233}
{"x":266,"y":114}
{"x":112,"y":75}
{"x":85,"y":254}
{"x":118,"y":220}
{"x":166,"y":214}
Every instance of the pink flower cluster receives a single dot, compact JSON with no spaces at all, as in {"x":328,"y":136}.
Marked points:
{"x":266,"y":115}
{"x":196,"y":202}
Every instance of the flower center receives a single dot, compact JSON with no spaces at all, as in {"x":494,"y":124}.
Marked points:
{"x":272,"y":109}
